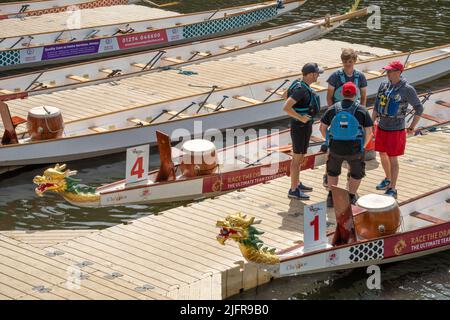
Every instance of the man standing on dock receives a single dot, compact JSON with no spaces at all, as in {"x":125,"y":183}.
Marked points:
{"x":347,"y":127}
{"x":337,"y":79}
{"x":302,"y":105}
{"x":391,"y":107}
{"x":347,"y":73}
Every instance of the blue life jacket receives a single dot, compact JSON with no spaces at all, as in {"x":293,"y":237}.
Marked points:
{"x":388,"y":101}
{"x":313,"y":106}
{"x":345,"y":126}
{"x":342,"y":80}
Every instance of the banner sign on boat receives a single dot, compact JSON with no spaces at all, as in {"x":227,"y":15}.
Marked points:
{"x":248,"y":177}
{"x":315,"y":227}
{"x":418,"y":240}
{"x":66,"y":50}
{"x":142,"y":39}
{"x":122,"y":42}
{"x":137,"y":164}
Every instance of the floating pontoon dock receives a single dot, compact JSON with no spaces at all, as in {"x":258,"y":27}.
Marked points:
{"x":175,"y":254}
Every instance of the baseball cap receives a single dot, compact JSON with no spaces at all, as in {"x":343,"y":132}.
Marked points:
{"x":311,"y":68}
{"x":395,"y":65}
{"x":349,"y":89}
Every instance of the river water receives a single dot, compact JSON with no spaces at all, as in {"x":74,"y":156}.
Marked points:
{"x":405,"y":25}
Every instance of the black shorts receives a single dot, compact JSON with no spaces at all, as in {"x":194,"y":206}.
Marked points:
{"x":355,"y":162}
{"x":300,"y":135}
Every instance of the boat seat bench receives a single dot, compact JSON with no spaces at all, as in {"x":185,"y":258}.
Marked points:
{"x":278,"y":93}
{"x":78,"y":78}
{"x":247,"y":99}
{"x":174,"y":60}
{"x":212,"y":107}
{"x":426,"y":217}
{"x":181,"y":115}
{"x":98,"y":129}
{"x":138,"y":121}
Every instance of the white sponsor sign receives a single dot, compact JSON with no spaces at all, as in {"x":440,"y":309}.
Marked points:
{"x":107,"y":45}
{"x":137,"y":164}
{"x":175,"y":34}
{"x":315,"y":227}
{"x":30,"y":55}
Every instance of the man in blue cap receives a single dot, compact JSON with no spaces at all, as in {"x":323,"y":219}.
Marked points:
{"x":302,"y":105}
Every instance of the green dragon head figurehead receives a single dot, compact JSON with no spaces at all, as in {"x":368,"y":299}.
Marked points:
{"x":53,"y":179}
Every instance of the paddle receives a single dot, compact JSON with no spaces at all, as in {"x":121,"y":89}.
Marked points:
{"x":182,"y":110}
{"x":412,"y":112}
{"x":274,"y":151}
{"x":275,"y":91}
{"x":161,"y":5}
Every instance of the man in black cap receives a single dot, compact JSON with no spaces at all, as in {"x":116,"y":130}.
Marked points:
{"x":302,"y":105}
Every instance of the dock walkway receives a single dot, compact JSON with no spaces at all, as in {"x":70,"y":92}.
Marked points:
{"x":174,"y":255}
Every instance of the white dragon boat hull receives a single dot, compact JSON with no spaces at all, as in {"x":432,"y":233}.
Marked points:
{"x":79,"y":142}
{"x":99,"y":71}
{"x":22,"y":9}
{"x":242,"y":165}
{"x":53,"y":47}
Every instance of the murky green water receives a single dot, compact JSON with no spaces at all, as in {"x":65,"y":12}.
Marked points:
{"x":405,"y":25}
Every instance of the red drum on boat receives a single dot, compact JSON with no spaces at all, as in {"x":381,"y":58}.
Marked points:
{"x":45,"y":123}
{"x":199,"y":158}
{"x":380,"y":218}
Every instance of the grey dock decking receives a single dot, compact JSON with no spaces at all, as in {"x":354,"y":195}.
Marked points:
{"x":54,"y":22}
{"x":175,"y":254}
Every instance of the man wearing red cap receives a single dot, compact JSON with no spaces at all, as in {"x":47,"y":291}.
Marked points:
{"x":390,"y":109}
{"x":347,"y":127}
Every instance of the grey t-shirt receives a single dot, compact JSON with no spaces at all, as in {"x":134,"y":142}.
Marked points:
{"x":335,"y":80}
{"x":408,"y":95}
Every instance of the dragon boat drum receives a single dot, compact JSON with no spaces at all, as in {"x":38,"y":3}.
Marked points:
{"x":380,"y":218}
{"x":45,"y":123}
{"x":199,"y":158}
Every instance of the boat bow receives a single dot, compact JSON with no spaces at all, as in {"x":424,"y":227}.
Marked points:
{"x":240,"y":228}
{"x":59,"y":180}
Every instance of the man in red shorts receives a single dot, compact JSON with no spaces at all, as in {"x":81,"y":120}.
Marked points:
{"x":391,"y":106}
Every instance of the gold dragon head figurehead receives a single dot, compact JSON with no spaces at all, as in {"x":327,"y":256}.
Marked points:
{"x":53,"y":179}
{"x":240,"y":228}
{"x":235,"y":226}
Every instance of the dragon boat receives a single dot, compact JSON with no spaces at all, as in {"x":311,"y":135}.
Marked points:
{"x":25,"y":43}
{"x":134,"y":64}
{"x":234,"y":167}
{"x":240,"y":106}
{"x":21,"y":9}
{"x":361,"y":237}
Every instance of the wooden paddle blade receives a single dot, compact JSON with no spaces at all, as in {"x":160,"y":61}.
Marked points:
{"x":9,"y":136}
{"x":345,"y":228}
{"x":167,"y":169}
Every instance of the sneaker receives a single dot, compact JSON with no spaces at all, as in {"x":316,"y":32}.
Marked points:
{"x":302,"y":187}
{"x":330,"y":200}
{"x":325,"y":181}
{"x":391,"y":192}
{"x":383,"y":185}
{"x":353,"y":199}
{"x":297,"y":194}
